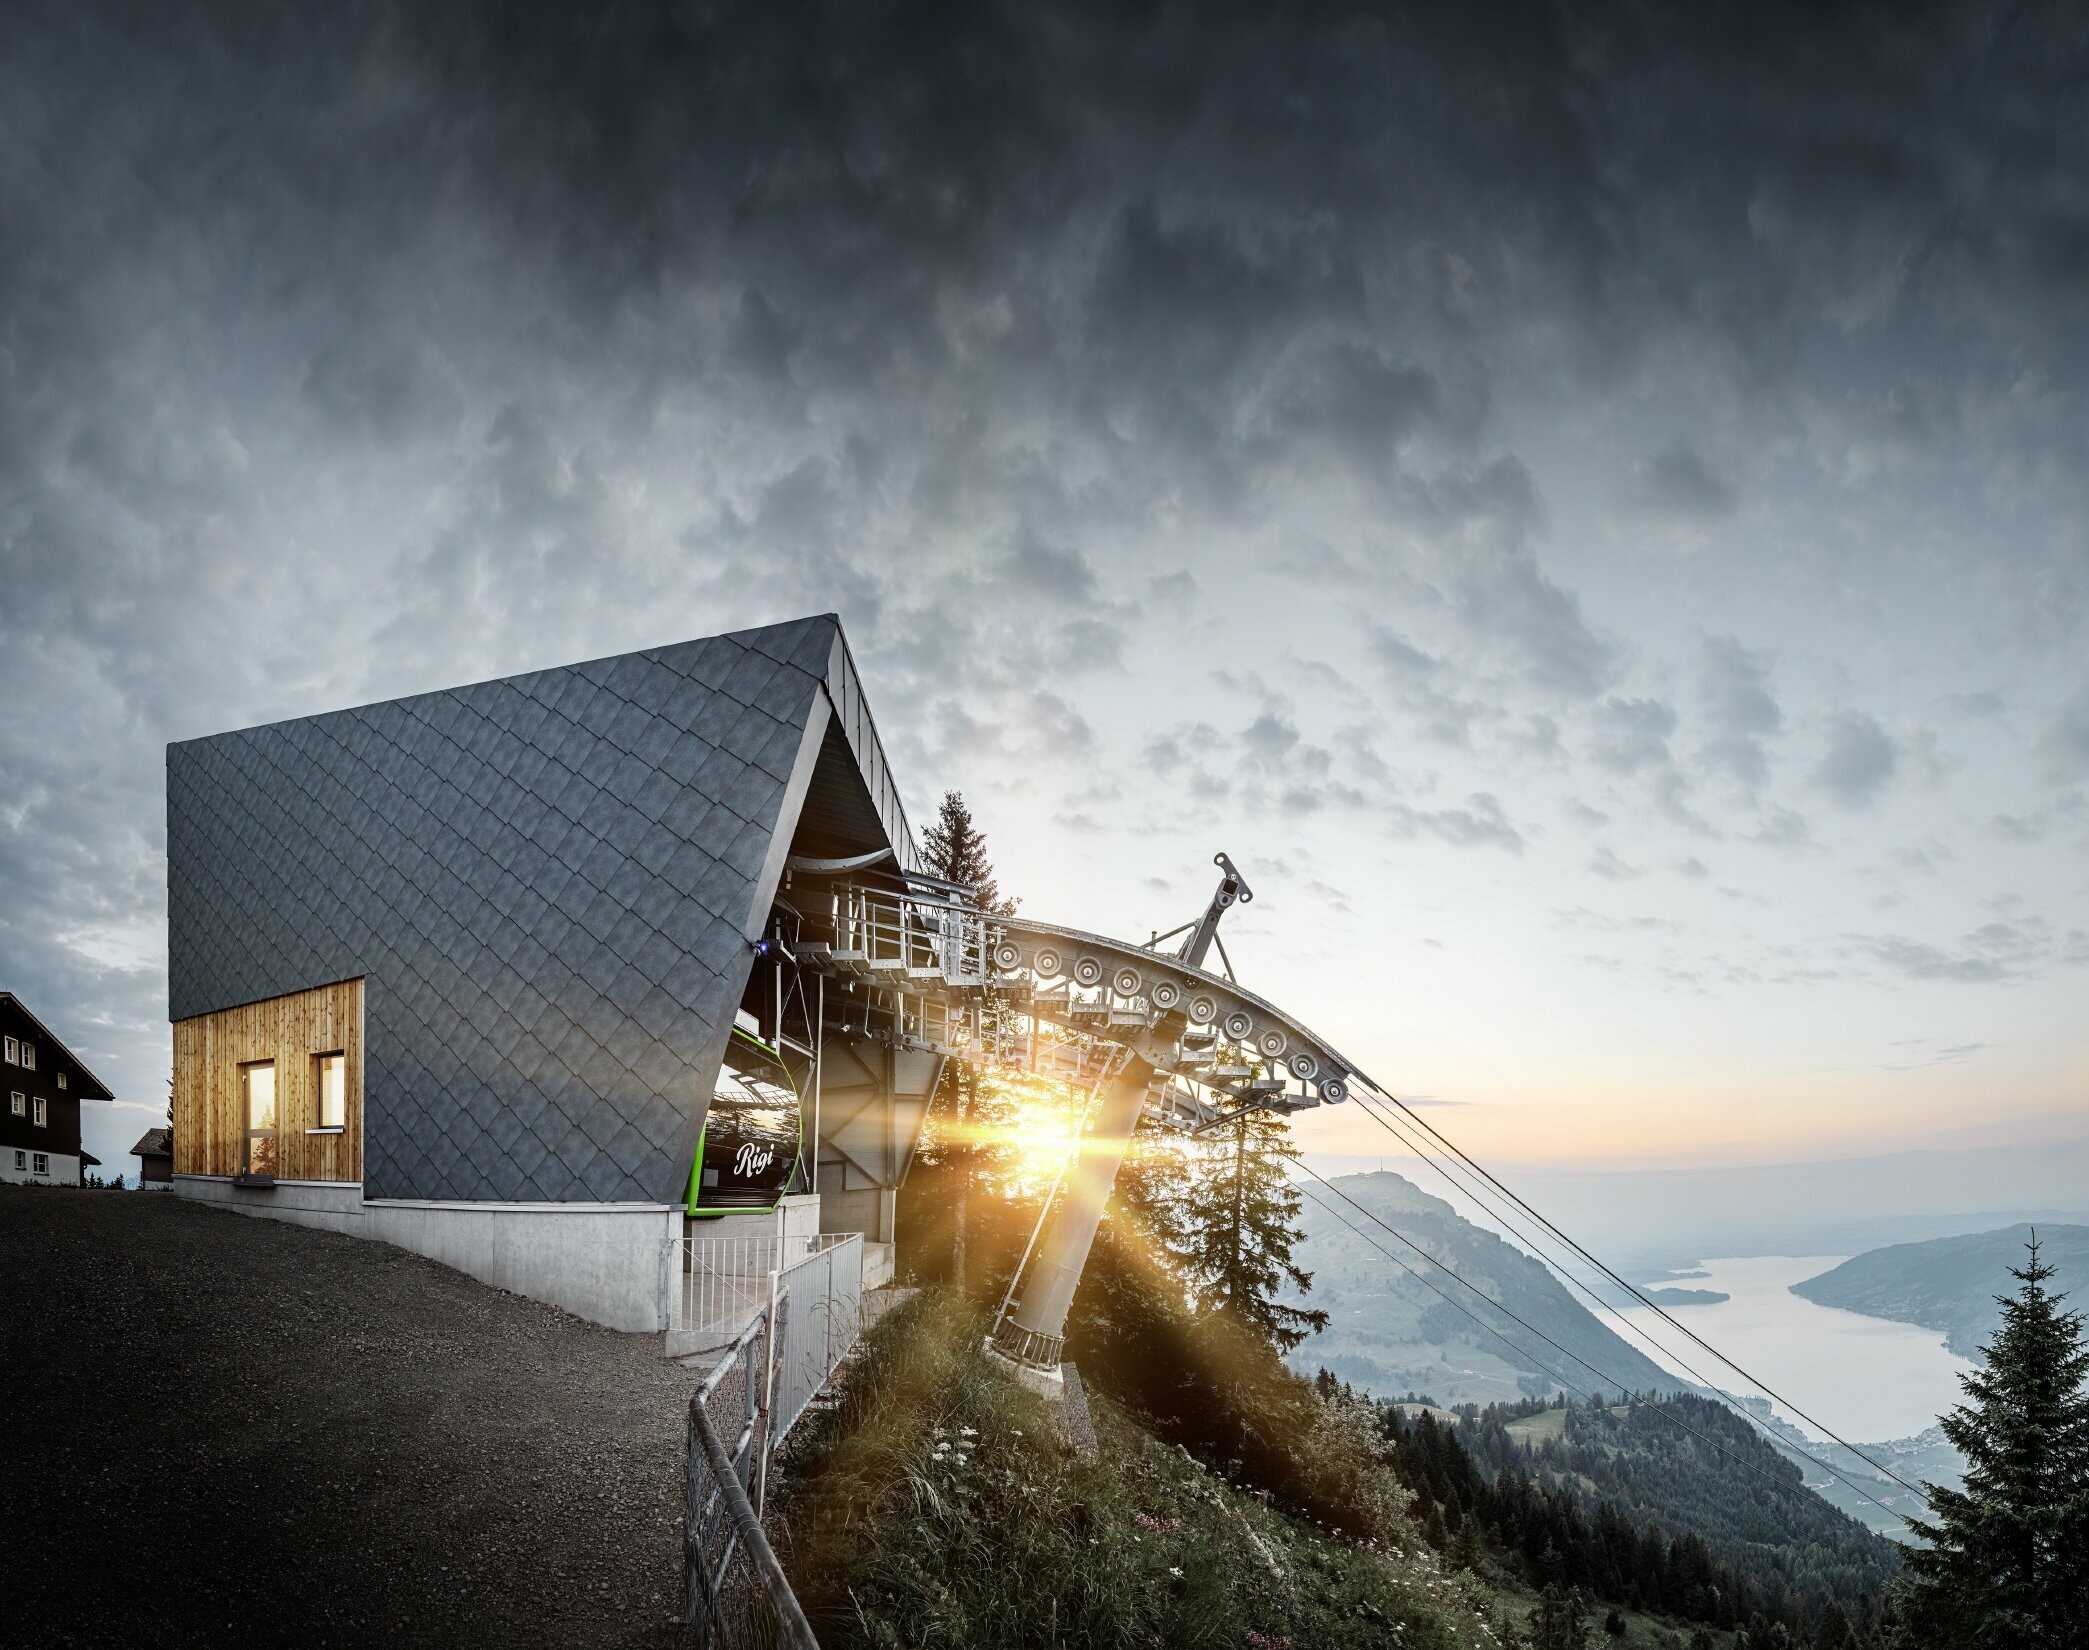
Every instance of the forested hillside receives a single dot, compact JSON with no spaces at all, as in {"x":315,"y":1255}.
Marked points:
{"x":1709,"y":1524}
{"x":1950,"y":1283}
{"x":1388,"y":1332}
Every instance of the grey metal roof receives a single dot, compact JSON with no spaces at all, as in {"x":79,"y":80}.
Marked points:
{"x":549,"y":883}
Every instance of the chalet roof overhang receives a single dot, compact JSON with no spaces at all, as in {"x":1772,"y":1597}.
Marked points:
{"x":92,"y":1087}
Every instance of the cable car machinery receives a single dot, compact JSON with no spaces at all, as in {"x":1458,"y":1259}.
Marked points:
{"x":1146,"y":1031}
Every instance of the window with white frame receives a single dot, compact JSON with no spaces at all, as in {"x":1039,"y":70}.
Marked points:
{"x":18,"y":1103}
{"x":61,"y":1079}
{"x":13,"y":1052}
{"x":28,"y":1055}
{"x":43,"y":1163}
{"x":42,"y":1119}
{"x":21,"y":1162}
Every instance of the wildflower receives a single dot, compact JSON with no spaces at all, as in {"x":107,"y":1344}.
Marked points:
{"x":1175,"y":1569}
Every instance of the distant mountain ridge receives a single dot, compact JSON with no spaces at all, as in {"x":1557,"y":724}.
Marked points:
{"x":1390,"y":1334}
{"x":1950,"y":1283}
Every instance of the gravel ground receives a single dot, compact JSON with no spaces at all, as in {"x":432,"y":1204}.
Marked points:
{"x":223,"y":1430}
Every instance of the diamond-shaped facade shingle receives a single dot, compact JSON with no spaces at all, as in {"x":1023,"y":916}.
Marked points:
{"x":547,"y":882}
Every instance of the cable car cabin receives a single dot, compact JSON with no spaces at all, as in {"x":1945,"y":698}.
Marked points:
{"x":749,"y":1149}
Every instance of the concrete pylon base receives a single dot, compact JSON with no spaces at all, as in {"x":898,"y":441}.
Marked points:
{"x":1046,"y":1383}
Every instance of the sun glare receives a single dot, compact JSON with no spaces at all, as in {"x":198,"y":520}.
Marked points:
{"x":1041,"y":1132}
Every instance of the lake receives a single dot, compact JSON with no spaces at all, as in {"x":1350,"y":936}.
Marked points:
{"x":1869,"y":1379}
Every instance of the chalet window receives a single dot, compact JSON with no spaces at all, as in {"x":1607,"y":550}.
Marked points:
{"x":28,"y":1055}
{"x":21,"y":1162}
{"x":257,"y":1092}
{"x":330,"y":1084}
{"x":43,"y":1163}
{"x":19,"y":1103}
{"x":12,"y":1051}
{"x":61,"y":1079}
{"x":42,"y":1119}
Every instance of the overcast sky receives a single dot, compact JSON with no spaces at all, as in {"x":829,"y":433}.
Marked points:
{"x":1590,"y":510}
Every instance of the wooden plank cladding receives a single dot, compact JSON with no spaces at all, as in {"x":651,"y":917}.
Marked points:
{"x":211,"y":1051}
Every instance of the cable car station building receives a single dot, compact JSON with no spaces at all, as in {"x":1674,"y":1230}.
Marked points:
{"x":543,"y":976}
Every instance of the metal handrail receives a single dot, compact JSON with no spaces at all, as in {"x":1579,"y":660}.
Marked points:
{"x":706,"y":1589}
{"x":793,"y":1629}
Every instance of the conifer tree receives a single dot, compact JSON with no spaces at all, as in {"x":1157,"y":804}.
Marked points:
{"x":2007,"y":1561}
{"x":1560,"y":1622}
{"x":1833,"y":1631}
{"x":1238,"y":1247}
{"x":954,"y":848}
{"x":1130,"y":1319}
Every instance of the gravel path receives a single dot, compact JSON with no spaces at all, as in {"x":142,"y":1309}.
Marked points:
{"x":223,"y":1430}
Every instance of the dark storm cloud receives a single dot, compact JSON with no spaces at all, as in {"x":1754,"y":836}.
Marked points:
{"x":1631,"y":735}
{"x":1679,"y":486}
{"x":2065,"y":742}
{"x":1270,"y":764}
{"x":1486,"y":520}
{"x":1740,"y":710}
{"x":1860,"y":760}
{"x":1417,"y":682}
{"x":352,"y":350}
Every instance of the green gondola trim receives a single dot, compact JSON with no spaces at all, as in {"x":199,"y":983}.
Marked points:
{"x":696,"y":1167}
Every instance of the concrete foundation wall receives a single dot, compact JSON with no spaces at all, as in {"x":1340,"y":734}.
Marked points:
{"x":869,"y":1210}
{"x":877,"y":1265}
{"x":798,"y":1217}
{"x":602,"y":1262}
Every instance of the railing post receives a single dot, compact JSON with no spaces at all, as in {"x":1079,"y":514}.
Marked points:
{"x":692,"y":1528}
{"x":791,"y":1627}
{"x":768,"y":1429}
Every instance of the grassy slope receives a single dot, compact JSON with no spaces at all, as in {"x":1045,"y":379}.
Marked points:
{"x":901,"y":1527}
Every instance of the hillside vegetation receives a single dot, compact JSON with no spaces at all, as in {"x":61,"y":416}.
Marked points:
{"x":1950,"y":1283}
{"x":1675,"y":1503}
{"x":937,"y":1505}
{"x":1388,"y":1333}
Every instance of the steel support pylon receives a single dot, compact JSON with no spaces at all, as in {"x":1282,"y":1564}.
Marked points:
{"x":1029,"y":1337}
